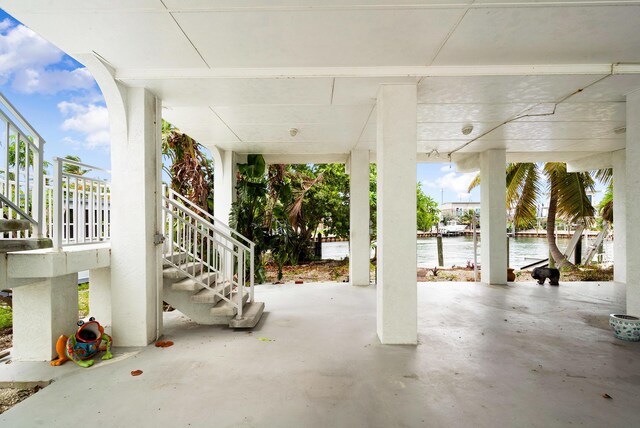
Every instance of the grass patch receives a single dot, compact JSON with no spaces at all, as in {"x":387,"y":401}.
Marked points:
{"x":83,"y":300}
{"x":6,"y":317}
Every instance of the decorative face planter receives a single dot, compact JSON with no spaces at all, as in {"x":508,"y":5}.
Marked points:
{"x":625,"y":327}
{"x":84,"y":345}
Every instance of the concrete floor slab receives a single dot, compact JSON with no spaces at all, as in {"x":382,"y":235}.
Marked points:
{"x":522,"y":355}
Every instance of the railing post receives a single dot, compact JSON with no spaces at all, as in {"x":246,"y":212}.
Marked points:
{"x":252,"y":270}
{"x":57,"y":204}
{"x":240,"y":291}
{"x":38,"y":188}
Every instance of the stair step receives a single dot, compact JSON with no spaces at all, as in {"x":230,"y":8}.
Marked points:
{"x":251,"y":315}
{"x":177,"y":258}
{"x":14,"y":225}
{"x":226,"y":309}
{"x":210,"y":296}
{"x":178,"y":272}
{"x":13,"y":245}
{"x":190,"y":284}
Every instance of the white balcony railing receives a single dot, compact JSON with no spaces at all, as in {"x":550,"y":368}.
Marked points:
{"x":21,"y":170}
{"x":79,"y":208}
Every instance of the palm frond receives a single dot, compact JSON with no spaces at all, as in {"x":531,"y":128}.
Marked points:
{"x":523,"y":191}
{"x":571,"y":189}
{"x":604,"y":176}
{"x":475,"y":183}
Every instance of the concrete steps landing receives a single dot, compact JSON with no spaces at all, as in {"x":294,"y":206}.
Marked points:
{"x":15,"y":245}
{"x":251,"y":315}
{"x":14,"y":225}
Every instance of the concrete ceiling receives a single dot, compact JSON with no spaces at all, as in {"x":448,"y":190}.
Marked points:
{"x":240,"y":74}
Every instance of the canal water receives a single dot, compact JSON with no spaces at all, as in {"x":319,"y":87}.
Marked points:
{"x":459,"y":249}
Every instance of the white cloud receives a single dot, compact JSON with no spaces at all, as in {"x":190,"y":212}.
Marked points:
{"x":458,"y":183}
{"x":428,"y":183}
{"x":5,"y":24}
{"x":89,"y":120}
{"x":52,"y":81}
{"x":26,"y":60}
{"x":446,"y":168}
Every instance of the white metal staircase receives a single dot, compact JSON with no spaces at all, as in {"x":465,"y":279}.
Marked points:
{"x":208,"y":268}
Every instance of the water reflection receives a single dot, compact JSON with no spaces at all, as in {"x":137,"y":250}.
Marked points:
{"x":459,"y":249}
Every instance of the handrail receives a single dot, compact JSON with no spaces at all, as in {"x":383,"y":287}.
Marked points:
{"x":76,"y":163}
{"x":208,"y":224}
{"x":23,"y":184}
{"x":20,"y":118}
{"x":17,"y":209}
{"x":213,"y":219}
{"x":206,"y":245}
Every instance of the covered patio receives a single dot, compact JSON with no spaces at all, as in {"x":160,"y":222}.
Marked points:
{"x":474,"y":83}
{"x":522,"y":355}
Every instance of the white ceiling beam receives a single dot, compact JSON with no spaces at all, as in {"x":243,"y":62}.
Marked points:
{"x":591,"y":163}
{"x":559,"y":156}
{"x":132,"y":74}
{"x":305,"y":158}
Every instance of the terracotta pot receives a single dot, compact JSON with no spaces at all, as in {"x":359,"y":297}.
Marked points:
{"x":511,"y":276}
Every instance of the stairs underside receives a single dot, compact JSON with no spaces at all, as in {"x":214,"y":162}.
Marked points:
{"x":202,"y":305}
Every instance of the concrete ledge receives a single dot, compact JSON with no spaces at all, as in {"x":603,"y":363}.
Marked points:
{"x":50,"y":263}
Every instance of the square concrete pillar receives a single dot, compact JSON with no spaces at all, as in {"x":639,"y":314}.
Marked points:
{"x":359,"y":243}
{"x":43,"y":311}
{"x":632,"y":201}
{"x":100,"y":295}
{"x":136,"y":279}
{"x":397,"y":264}
{"x":493,"y":216}
{"x":224,"y":183}
{"x":619,"y":219}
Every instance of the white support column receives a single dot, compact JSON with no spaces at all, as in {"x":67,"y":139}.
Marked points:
{"x":43,"y":311}
{"x":135,"y":259}
{"x":493,"y":216}
{"x":359,"y":244}
{"x":632,"y":200}
{"x":100,"y":295}
{"x":396,"y":161}
{"x":619,"y":219}
{"x":224,"y":183}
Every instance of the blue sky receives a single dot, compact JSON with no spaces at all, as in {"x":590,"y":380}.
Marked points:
{"x":58,"y":96}
{"x":55,"y":93}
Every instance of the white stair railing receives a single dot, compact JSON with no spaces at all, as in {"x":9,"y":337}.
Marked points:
{"x":204,"y":248}
{"x":21,"y":169}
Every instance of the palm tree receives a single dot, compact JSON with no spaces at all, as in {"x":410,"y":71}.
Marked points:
{"x":69,"y":168}
{"x":567,"y":197}
{"x":190,"y":171}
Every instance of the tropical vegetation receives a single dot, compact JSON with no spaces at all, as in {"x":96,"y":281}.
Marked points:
{"x":568,"y":197}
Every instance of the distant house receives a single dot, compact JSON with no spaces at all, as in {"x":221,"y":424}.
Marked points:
{"x":456,"y":209}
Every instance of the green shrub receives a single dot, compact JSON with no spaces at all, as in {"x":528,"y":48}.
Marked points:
{"x":6,"y":317}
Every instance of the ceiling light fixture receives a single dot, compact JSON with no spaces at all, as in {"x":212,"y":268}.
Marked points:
{"x":466,"y":130}
{"x":620,"y":130}
{"x":293,"y":132}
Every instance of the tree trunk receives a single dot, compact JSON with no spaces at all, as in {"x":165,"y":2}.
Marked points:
{"x":560,"y":259}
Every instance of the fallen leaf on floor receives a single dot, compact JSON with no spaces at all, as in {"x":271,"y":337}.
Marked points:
{"x":163,"y":344}
{"x":607,"y":396}
{"x":265,"y":339}
{"x":136,"y":373}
